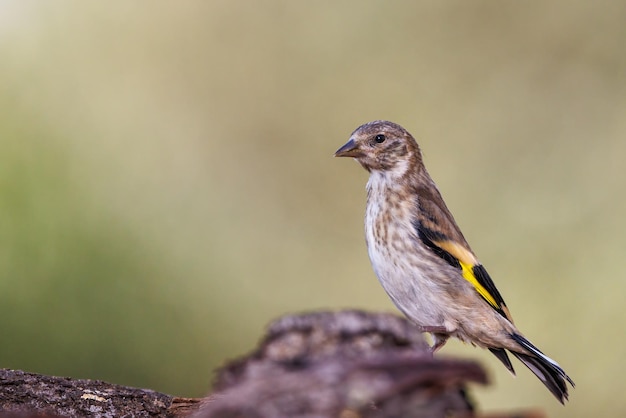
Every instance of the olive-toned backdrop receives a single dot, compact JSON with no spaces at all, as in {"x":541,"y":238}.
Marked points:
{"x":167,"y":185}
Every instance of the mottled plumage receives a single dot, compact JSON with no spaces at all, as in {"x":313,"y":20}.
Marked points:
{"x":423,"y":260}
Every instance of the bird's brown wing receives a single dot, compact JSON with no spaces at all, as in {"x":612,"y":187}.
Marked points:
{"x":437,"y":229}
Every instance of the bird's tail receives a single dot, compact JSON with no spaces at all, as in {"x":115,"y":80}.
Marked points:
{"x":546,"y":369}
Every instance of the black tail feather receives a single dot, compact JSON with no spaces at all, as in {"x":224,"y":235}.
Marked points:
{"x":500,"y":353}
{"x":546,"y":369}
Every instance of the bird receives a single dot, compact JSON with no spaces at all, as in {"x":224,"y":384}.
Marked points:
{"x":424,"y":262}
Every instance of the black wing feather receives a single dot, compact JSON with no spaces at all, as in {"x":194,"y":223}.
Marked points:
{"x":427,"y":236}
{"x":485,"y":280}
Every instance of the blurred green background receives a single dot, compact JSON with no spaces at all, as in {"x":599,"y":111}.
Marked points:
{"x":167,"y":185}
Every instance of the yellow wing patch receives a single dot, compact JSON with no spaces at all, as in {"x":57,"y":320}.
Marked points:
{"x":467,"y":261}
{"x":468,"y":275}
{"x":459,"y":252}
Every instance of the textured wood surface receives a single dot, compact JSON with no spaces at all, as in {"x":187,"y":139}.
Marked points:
{"x":347,"y":364}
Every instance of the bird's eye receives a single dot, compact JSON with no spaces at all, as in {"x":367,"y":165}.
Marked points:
{"x":380,"y":138}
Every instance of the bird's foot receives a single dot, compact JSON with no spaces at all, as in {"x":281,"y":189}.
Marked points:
{"x":440,"y":336}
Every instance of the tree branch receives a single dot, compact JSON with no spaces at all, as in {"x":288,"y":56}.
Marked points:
{"x":345,"y":364}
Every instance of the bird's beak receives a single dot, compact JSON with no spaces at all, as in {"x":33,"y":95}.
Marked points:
{"x":350,"y":149}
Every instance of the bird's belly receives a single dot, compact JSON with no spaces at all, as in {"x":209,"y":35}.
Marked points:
{"x":408,"y":275}
{"x":413,"y":288}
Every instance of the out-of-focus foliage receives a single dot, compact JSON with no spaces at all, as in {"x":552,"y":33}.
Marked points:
{"x":167,"y":185}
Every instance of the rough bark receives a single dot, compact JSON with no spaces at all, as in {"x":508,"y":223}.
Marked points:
{"x":344,"y":364}
{"x":66,"y":397}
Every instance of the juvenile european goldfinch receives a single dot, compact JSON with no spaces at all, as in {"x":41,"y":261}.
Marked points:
{"x":423,"y":261}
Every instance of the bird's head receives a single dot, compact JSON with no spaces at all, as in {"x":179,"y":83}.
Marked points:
{"x":382,"y":146}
